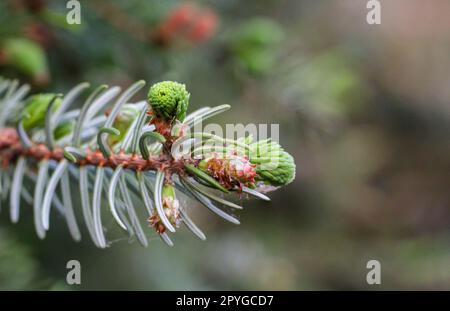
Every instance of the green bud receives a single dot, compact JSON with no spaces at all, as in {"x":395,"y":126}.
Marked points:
{"x":128,"y":113}
{"x":171,"y":208}
{"x":35,"y":109}
{"x":171,"y":205}
{"x":245,"y":140}
{"x":169,"y":100}
{"x":63,"y":130}
{"x":274,"y":166}
{"x":168,"y":192}
{"x":27,"y":57}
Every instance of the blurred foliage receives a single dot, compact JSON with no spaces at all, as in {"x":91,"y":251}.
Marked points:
{"x":364,"y":110}
{"x":326,"y":83}
{"x":19,"y":270}
{"x":27,"y":57}
{"x":254,"y":44}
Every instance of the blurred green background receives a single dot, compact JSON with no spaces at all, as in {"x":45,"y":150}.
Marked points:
{"x":364,"y":110}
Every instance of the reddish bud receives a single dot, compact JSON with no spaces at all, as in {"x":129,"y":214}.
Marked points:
{"x":204,"y":27}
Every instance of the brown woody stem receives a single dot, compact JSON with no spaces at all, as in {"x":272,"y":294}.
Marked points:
{"x":11,"y":149}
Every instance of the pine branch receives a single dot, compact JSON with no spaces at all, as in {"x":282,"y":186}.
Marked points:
{"x":119,"y":152}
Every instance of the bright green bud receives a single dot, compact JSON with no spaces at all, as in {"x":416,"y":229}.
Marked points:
{"x":169,"y":100}
{"x":274,"y":166}
{"x":168,"y":192}
{"x":35,"y":109}
{"x":27,"y":57}
{"x":128,"y":113}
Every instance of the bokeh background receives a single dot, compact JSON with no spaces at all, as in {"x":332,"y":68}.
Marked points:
{"x":364,"y":110}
